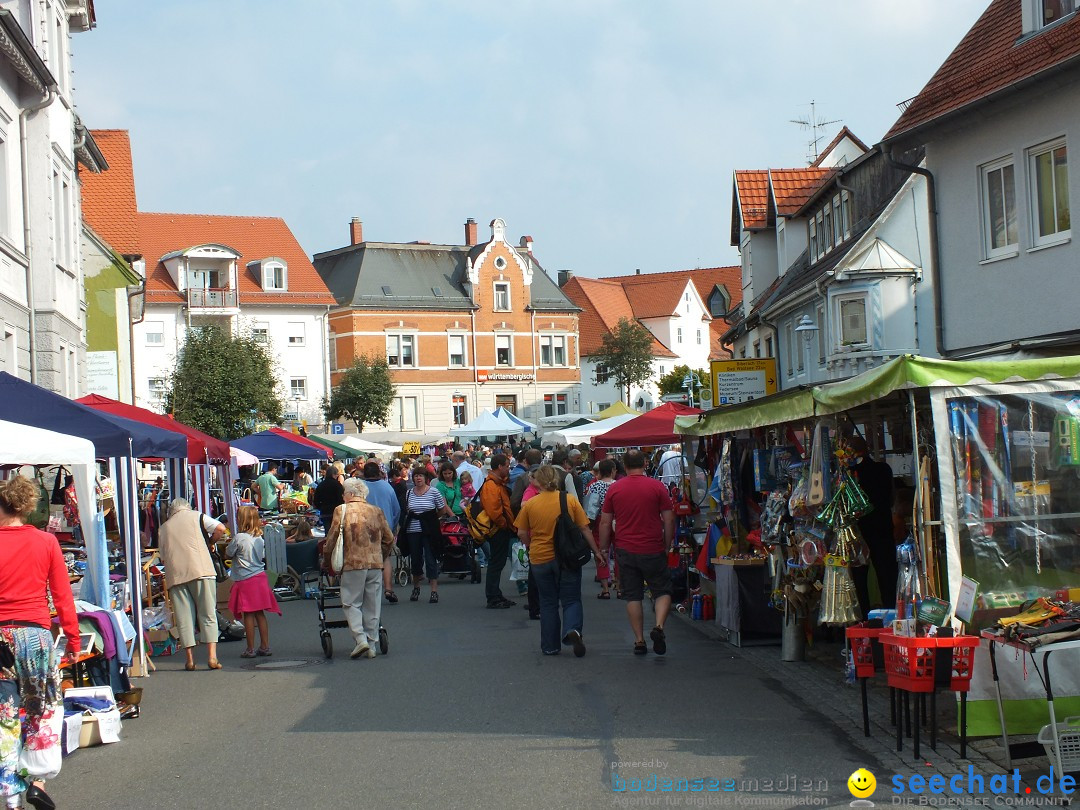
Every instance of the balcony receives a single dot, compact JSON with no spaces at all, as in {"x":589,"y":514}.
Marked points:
{"x":205,"y":298}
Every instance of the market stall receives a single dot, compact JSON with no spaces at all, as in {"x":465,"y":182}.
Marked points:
{"x":488,"y":424}
{"x":583,"y":433}
{"x":650,"y":429}
{"x":278,"y":446}
{"x":505,"y":415}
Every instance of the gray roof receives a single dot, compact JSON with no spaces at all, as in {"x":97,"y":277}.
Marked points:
{"x":390,"y":275}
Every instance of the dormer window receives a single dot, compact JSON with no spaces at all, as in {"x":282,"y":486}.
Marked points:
{"x":275,"y":275}
{"x":1054,"y":10}
{"x":1040,"y":14}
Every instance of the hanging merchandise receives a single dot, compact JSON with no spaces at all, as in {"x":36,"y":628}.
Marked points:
{"x":724,"y":483}
{"x":839,"y":601}
{"x":820,"y":467}
{"x":907,"y":584}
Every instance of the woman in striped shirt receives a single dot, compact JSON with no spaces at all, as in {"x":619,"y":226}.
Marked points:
{"x":425,"y":503}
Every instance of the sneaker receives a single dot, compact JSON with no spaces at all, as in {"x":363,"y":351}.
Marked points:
{"x":369,"y":653}
{"x":574,"y":637}
{"x":360,"y":649}
{"x":659,"y":641}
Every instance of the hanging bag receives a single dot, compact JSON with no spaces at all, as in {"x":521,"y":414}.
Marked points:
{"x":337,"y":558}
{"x":572,"y":550}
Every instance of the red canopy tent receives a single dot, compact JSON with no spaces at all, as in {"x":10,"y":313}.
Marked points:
{"x":304,"y":440}
{"x":202,"y":448}
{"x":651,"y":428}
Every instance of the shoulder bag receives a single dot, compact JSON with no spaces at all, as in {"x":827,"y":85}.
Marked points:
{"x":337,"y":557}
{"x":572,"y":550}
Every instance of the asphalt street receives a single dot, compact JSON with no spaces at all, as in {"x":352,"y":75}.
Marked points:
{"x":464,"y":711}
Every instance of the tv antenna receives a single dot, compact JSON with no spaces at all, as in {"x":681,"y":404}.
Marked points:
{"x":813,"y":123}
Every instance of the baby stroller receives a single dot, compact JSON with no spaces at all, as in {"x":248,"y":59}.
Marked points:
{"x":458,"y":552}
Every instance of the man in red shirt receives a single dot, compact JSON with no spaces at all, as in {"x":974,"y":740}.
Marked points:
{"x":640,"y":508}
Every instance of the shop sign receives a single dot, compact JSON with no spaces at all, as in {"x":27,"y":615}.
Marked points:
{"x":101,"y":374}
{"x":502,"y":376}
{"x":410,"y":448}
{"x":735,"y":381}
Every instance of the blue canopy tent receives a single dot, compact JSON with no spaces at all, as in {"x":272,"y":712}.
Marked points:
{"x":503,"y":413}
{"x":116,"y":439}
{"x":276,"y":446}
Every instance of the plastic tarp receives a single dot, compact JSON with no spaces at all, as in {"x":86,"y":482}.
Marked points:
{"x":619,"y":408}
{"x":582,"y":434}
{"x":488,"y":424}
{"x":21,"y":444}
{"x":905,"y":372}
{"x":648,"y":430}
{"x":27,"y":404}
{"x":503,"y":413}
{"x":271,"y":445}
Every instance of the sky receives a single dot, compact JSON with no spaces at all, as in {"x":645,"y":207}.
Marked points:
{"x":607,"y":130}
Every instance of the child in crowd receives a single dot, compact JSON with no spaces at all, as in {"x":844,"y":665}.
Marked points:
{"x":468,"y":491}
{"x":301,"y":533}
{"x":250,"y":596}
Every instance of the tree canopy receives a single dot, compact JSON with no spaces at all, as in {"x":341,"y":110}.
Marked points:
{"x":672,"y":382}
{"x":626,"y":355}
{"x":364,"y":393}
{"x":223,"y":383}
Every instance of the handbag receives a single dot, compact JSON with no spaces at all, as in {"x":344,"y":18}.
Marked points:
{"x":337,"y":558}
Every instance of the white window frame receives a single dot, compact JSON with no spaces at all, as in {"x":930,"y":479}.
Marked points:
{"x":757,"y":348}
{"x":698,"y":337}
{"x":497,"y":288}
{"x":768,"y":347}
{"x":827,"y":226}
{"x":839,"y":302}
{"x":297,"y":334}
{"x":1033,"y":154}
{"x":402,"y":339}
{"x":845,"y":212}
{"x":403,"y":408}
{"x":812,"y":226}
{"x":556,"y":404}
{"x":985,"y":184}
{"x":270,"y":273}
{"x":509,"y":338}
{"x":678,"y":334}
{"x":260,"y":333}
{"x":150,"y":333}
{"x":551,"y":346}
{"x":837,"y":221}
{"x":450,"y":354}
{"x":603,"y":374}
{"x":301,"y":388}
{"x":822,"y":338}
{"x":155,"y":387}
{"x":789,"y":337}
{"x":459,"y":412}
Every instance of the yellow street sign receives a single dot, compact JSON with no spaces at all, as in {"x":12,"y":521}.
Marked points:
{"x":735,"y":381}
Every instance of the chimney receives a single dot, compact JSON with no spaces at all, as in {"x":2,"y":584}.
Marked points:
{"x":470,"y":231}
{"x":564,"y":276}
{"x":527,"y":243}
{"x":637,"y":272}
{"x":356,"y":231}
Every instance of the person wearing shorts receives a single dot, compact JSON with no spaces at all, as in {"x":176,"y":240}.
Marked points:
{"x":641,"y":511}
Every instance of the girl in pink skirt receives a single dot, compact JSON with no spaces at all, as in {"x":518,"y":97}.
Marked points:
{"x":251,"y":595}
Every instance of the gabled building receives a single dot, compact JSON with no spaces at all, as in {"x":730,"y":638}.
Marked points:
{"x":833,"y":256}
{"x":42,"y":323}
{"x":996,"y":123}
{"x":684,"y":310}
{"x":463,"y":327}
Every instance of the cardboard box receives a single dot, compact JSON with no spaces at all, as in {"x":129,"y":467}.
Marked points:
{"x":97,"y":727}
{"x":223,"y":591}
{"x":157,"y":634}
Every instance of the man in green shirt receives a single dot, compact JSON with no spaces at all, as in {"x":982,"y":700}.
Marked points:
{"x":269,"y":487}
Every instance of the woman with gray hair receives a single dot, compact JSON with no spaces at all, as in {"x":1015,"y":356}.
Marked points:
{"x":184,"y":545}
{"x":362,"y":527}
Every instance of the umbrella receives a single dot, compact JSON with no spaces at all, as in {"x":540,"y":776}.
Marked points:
{"x":273,"y":445}
{"x":651,"y":428}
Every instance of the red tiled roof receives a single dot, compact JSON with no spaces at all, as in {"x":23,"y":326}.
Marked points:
{"x":752,"y":190}
{"x":791,"y":188}
{"x":988,"y":60}
{"x":603,"y":303}
{"x":108,"y":198}
{"x":843,"y":133}
{"x":254,"y":238}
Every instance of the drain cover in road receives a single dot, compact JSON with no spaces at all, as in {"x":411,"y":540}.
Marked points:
{"x":288,"y":663}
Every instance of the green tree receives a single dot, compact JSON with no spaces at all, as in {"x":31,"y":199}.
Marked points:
{"x":626,"y":355}
{"x":364,"y":393}
{"x":671,"y":383}
{"x":222,"y":383}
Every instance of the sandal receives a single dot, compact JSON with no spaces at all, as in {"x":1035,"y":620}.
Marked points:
{"x":640,"y":648}
{"x":391,"y":597}
{"x":189,"y":667}
{"x":263,"y":652}
{"x":249,"y":653}
{"x":603,"y":595}
{"x":434,"y":598}
{"x":213,"y":665}
{"x":415,"y":596}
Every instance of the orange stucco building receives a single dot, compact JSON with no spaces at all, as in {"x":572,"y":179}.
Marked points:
{"x":463,"y":327}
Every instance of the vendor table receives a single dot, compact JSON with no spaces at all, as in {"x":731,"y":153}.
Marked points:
{"x":78,"y":667}
{"x":742,"y":602}
{"x":1047,"y":650}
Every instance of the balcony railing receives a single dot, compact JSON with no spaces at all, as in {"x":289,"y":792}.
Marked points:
{"x":212,"y":299}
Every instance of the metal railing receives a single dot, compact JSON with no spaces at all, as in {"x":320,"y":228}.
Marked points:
{"x":211,"y":299}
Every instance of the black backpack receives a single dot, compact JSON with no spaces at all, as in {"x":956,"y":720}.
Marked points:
{"x":572,"y":550}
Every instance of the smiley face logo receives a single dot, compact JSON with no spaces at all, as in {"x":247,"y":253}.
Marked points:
{"x":862,"y":784}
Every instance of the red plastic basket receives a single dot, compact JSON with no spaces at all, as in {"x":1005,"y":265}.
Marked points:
{"x":910,"y":662}
{"x":862,"y":648}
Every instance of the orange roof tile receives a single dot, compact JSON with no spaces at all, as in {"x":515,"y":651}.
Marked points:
{"x":603,"y":303}
{"x":108,"y":198}
{"x":253,"y":238}
{"x":752,"y":190}
{"x":989,"y":59}
{"x":791,"y":188}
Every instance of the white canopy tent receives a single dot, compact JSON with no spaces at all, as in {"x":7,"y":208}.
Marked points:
{"x":22,"y":444}
{"x":362,"y":445}
{"x":488,"y":424}
{"x":507,"y":416}
{"x":583,"y":433}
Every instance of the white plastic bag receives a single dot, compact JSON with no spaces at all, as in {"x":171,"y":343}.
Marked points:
{"x":519,"y":562}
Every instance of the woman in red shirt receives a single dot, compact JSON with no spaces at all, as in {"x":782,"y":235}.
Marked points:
{"x":31,"y":566}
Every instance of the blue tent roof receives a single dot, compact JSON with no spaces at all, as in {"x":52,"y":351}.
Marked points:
{"x":503,"y":413}
{"x":28,"y":404}
{"x":273,"y":445}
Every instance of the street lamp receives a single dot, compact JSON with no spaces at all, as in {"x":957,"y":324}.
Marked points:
{"x":807,"y":328}
{"x":689,"y":382}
